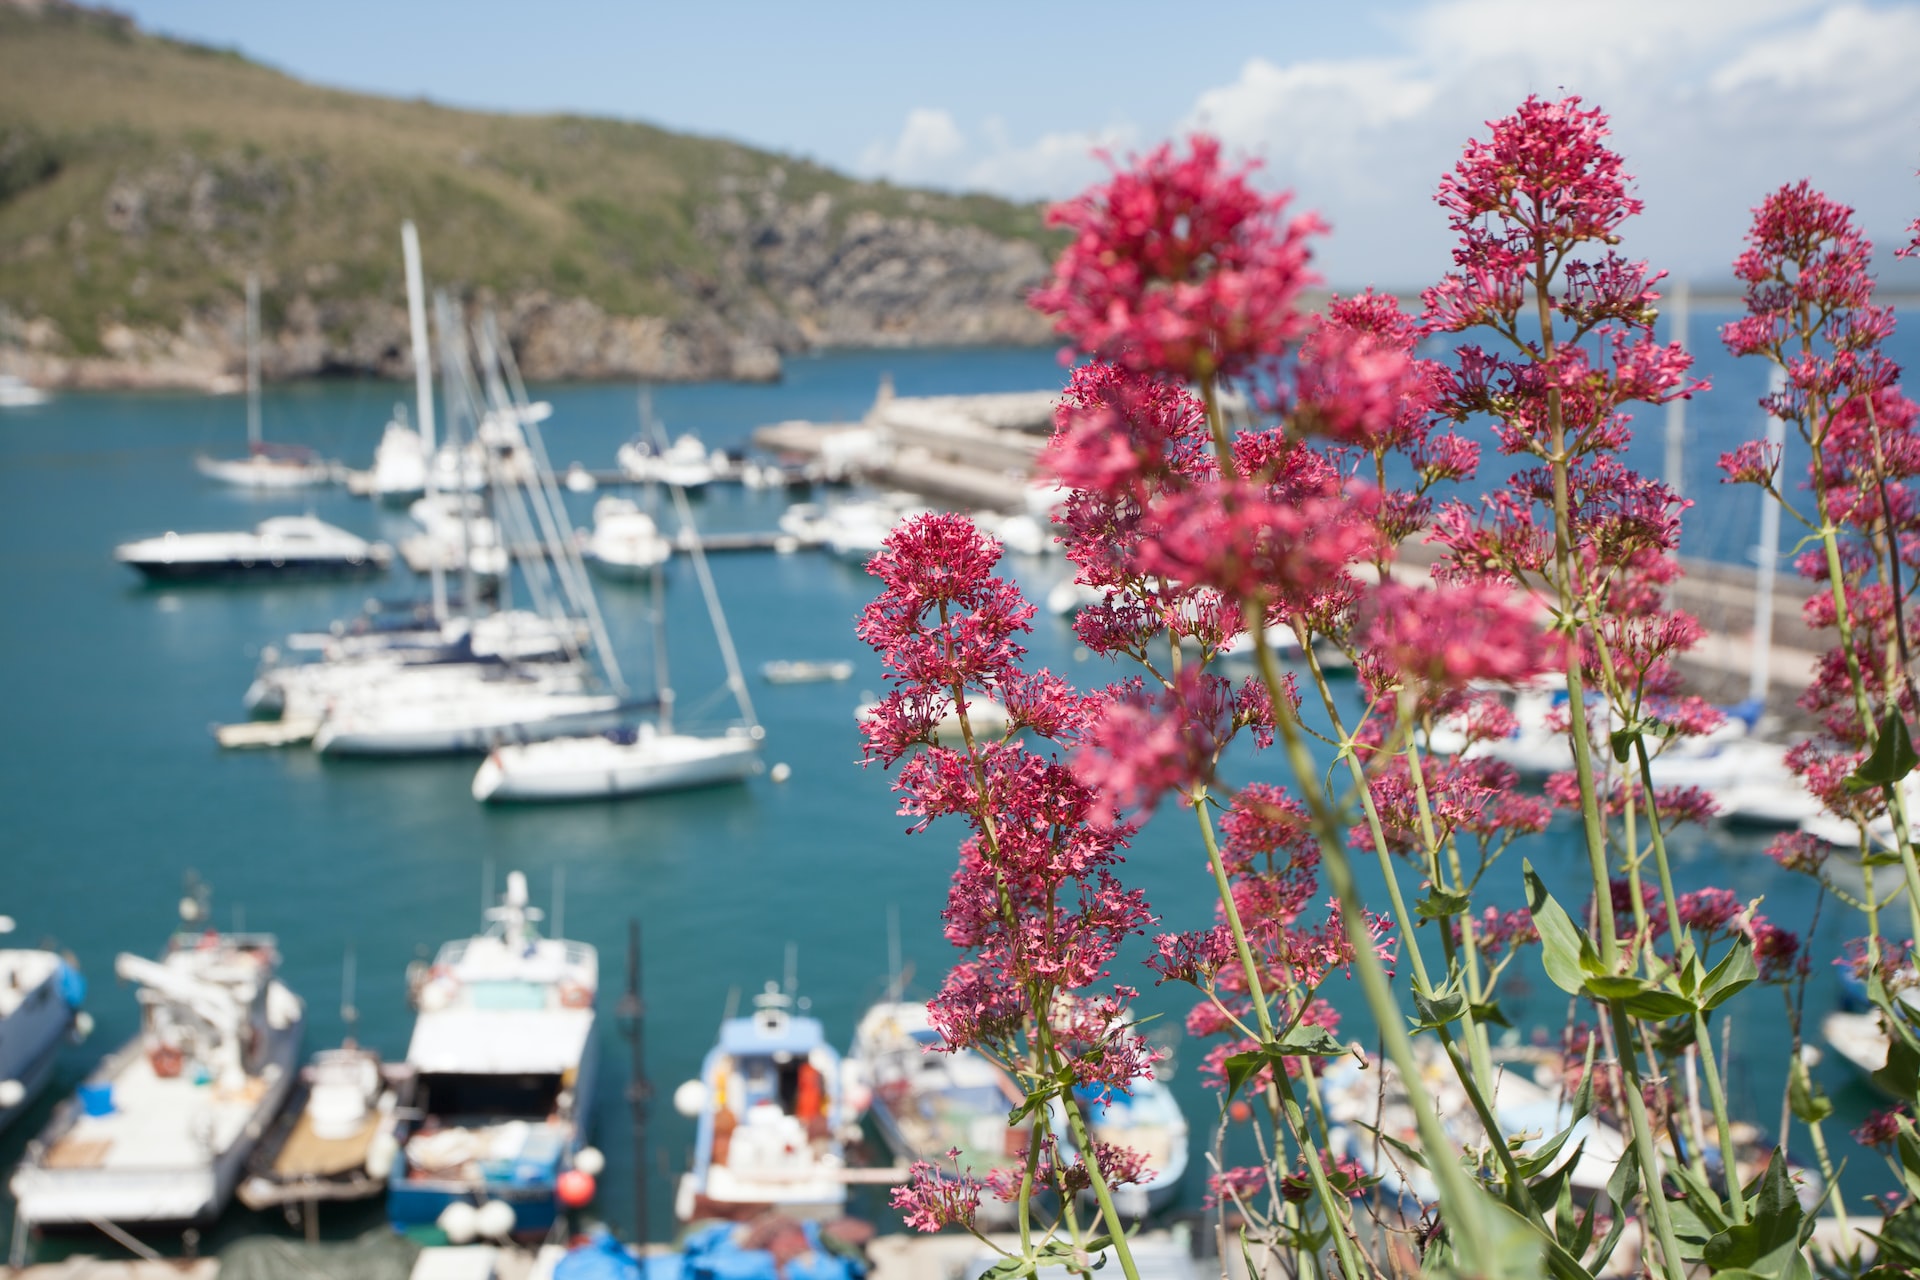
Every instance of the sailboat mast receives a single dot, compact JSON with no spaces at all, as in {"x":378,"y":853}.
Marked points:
{"x":423,"y":388}
{"x":1677,"y":407}
{"x":1760,"y":676}
{"x":253,"y":362}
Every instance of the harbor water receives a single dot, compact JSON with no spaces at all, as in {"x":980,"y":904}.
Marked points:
{"x":112,"y":790}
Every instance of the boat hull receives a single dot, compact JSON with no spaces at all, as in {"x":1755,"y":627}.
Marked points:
{"x":256,"y":473}
{"x":251,"y":570}
{"x":512,"y":775}
{"x":460,"y":739}
{"x":33,"y":1067}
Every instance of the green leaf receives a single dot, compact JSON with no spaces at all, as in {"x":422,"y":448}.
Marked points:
{"x":1487,"y":1013}
{"x":1440,"y":905}
{"x":1239,"y":1067}
{"x":1307,"y":1039}
{"x":1901,"y":1076}
{"x":1893,"y":756}
{"x":1440,"y":1008}
{"x":1623,"y":740}
{"x":1658,"y":1005}
{"x":1735,"y":972}
{"x":1809,"y":1102}
{"x":1769,"y":1243}
{"x":1614,"y":988}
{"x":1563,"y":949}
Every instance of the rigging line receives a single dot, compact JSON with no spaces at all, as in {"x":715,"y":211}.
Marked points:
{"x":567,"y":562}
{"x":684,"y":511}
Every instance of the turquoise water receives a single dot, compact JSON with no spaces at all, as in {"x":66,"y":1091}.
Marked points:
{"x":113,"y":789}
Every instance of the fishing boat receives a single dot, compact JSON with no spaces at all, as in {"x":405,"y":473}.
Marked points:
{"x":284,"y":547}
{"x":770,"y":1112}
{"x":1143,"y":1118}
{"x":651,"y":755}
{"x":265,"y":466}
{"x":625,"y":544}
{"x":503,"y":1053}
{"x":927,"y":1101}
{"x":162,"y":1130}
{"x":786,"y":671}
{"x":335,"y":1139}
{"x":40,"y":996}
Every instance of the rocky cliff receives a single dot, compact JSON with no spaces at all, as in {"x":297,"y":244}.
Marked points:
{"x":142,"y":178}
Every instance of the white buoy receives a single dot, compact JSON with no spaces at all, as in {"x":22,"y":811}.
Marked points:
{"x":494,"y":1220}
{"x":12,"y":1094}
{"x":589,"y":1161}
{"x":459,"y":1221}
{"x":82,"y":1025}
{"x":780,"y":772}
{"x":380,"y":1155}
{"x":6,"y":924}
{"x":690,"y":1099}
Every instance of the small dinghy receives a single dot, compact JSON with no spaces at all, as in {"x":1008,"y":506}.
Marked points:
{"x":795,"y":672}
{"x":334,"y":1141}
{"x":620,"y":763}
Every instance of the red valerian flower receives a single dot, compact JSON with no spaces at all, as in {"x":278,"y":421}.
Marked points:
{"x":1179,"y":267}
{"x":1450,"y":636}
{"x":933,"y":1198}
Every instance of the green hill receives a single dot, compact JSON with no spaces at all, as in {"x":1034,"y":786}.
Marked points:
{"x":141,"y":177}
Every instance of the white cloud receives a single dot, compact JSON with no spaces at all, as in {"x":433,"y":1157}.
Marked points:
{"x":1713,"y":103}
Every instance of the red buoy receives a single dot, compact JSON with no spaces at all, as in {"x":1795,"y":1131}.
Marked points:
{"x":575,"y":1188}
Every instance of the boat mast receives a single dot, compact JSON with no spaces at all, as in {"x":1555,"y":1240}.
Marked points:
{"x":253,"y":363}
{"x":657,"y":580}
{"x":1677,"y":407}
{"x":423,"y":389}
{"x":684,"y":511}
{"x":1760,"y":675}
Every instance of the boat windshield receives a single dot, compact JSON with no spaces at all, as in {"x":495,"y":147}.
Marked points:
{"x":507,"y":995}
{"x":471,"y":1097}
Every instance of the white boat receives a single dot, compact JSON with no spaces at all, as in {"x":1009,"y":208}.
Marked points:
{"x":398,"y":475}
{"x":851,"y":530}
{"x":40,"y":996}
{"x":505,"y":1056}
{"x":265,"y":466}
{"x":643,"y":758}
{"x":625,"y":543}
{"x":1143,"y":1118}
{"x":280,"y":548}
{"x":986,"y":717}
{"x":323,"y":688}
{"x":456,"y":535}
{"x":466,"y":721}
{"x":335,"y":1139}
{"x":621,"y":762}
{"x":161,"y":1131}
{"x":770,"y":1113}
{"x":17,"y":393}
{"x":686,"y":463}
{"x":792,"y":671}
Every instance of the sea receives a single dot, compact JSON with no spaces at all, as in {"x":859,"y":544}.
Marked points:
{"x":113,"y":795}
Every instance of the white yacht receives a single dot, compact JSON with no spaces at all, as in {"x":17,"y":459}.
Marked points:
{"x":625,"y":544}
{"x":265,"y":466}
{"x":17,"y":393}
{"x":504,"y":1055}
{"x":621,"y":762}
{"x":468,"y":719}
{"x":40,"y":996}
{"x":456,"y":533}
{"x":161,"y":1131}
{"x":280,"y":548}
{"x":686,"y":462}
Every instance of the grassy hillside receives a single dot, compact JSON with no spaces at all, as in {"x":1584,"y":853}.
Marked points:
{"x":140,"y":177}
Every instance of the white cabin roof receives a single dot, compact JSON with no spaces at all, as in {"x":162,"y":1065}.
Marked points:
{"x":500,"y":1041}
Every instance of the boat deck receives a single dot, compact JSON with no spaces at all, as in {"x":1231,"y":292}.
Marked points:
{"x":158,"y":1122}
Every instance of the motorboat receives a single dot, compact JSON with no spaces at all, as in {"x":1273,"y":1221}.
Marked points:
{"x":334,"y":1141}
{"x":162,"y":1130}
{"x":685,"y":463}
{"x":399,"y":473}
{"x":40,"y":997}
{"x":928,"y":1101}
{"x":456,"y":535}
{"x":284,"y":547}
{"x":17,"y":393}
{"x":625,"y":543}
{"x":787,"y":671}
{"x":265,"y":466}
{"x":1143,"y":1118}
{"x":851,"y":530}
{"x":770,"y":1114}
{"x":636,"y":760}
{"x":504,"y":1055}
{"x":986,"y":717}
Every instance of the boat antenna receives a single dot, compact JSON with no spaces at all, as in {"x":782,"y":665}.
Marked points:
{"x":348,"y":1014}
{"x":893,"y":952}
{"x":793,"y":968}
{"x":1760,"y":671}
{"x":253,"y":362}
{"x":684,"y":511}
{"x":733,"y":1003}
{"x":486,"y":885}
{"x":423,"y":389}
{"x":560,"y":900}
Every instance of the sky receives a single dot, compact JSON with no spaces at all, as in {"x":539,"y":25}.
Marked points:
{"x":1355,"y":107}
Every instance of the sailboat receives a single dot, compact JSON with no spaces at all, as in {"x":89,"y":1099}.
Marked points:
{"x":266,"y":466}
{"x":652,"y":756}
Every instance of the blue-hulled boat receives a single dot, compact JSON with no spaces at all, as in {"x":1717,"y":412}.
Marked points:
{"x":770,"y":1117}
{"x":503,"y":1053}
